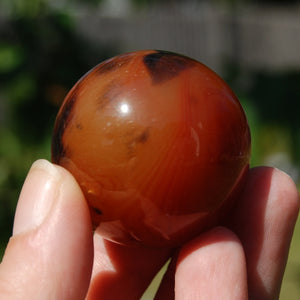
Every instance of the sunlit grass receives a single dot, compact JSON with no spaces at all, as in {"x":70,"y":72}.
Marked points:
{"x":291,"y":282}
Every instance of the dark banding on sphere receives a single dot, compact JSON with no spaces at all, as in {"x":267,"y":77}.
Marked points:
{"x":114,"y":63}
{"x":57,"y":147}
{"x":164,"y":65}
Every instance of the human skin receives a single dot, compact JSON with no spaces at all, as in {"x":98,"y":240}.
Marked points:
{"x":53,"y":253}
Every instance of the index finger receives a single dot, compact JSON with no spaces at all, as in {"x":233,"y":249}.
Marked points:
{"x":264,"y":221}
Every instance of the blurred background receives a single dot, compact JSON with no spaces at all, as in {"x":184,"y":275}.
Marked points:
{"x":47,"y":45}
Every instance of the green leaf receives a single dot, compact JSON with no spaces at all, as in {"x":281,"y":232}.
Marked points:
{"x":11,"y":57}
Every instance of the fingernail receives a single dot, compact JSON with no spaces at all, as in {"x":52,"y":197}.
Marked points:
{"x":37,"y":197}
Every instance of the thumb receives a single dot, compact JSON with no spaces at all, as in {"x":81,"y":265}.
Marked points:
{"x":50,"y":253}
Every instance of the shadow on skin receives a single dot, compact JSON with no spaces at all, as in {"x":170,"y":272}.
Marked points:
{"x":248,"y":222}
{"x":125,"y":271}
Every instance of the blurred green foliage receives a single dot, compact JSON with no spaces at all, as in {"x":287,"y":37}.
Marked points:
{"x":41,"y":57}
{"x":272,"y":103}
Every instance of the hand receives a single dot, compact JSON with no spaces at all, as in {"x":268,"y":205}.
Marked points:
{"x":54,"y":255}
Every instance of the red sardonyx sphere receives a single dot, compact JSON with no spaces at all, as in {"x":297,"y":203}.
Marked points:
{"x":158,"y":143}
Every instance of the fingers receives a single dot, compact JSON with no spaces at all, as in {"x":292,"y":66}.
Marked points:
{"x":123,"y":272}
{"x":211,"y":266}
{"x":50,"y":254}
{"x":265,"y":219}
